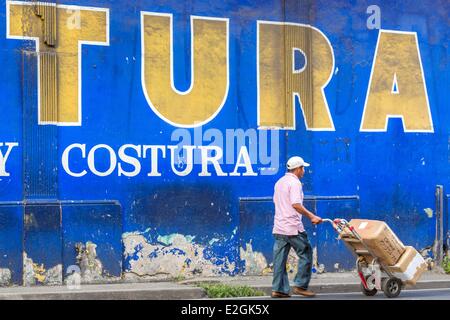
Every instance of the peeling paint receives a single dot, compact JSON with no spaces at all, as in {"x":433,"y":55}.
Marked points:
{"x":212,"y":241}
{"x":28,"y":271}
{"x":255,"y":262}
{"x":321,"y":268}
{"x":5,"y":277}
{"x":34,"y":273}
{"x":315,"y":259}
{"x":172,"y":256}
{"x":169,"y":239}
{"x":53,"y":276}
{"x":316,"y":267}
{"x":427,"y":254}
{"x":90,"y":266}
{"x":429,"y":212}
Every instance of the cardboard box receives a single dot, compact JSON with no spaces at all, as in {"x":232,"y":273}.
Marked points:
{"x":380,"y":239}
{"x":409,"y":267}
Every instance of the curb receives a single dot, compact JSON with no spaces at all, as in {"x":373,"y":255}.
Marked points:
{"x":355,"y":287}
{"x":184,"y":292}
{"x":127,"y":294}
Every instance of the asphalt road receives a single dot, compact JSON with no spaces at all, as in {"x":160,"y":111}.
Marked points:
{"x":425,"y":294}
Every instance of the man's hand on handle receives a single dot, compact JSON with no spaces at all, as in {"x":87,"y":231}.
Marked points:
{"x":316,"y":220}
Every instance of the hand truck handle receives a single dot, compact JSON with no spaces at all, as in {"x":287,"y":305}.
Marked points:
{"x":339,"y":224}
{"x":333,"y":223}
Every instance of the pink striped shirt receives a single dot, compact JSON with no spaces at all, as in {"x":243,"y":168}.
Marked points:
{"x":288,"y":191}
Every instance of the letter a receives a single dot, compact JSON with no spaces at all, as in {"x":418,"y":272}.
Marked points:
{"x":397,"y":87}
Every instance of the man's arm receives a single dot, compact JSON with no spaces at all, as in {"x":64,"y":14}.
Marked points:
{"x":303,"y":211}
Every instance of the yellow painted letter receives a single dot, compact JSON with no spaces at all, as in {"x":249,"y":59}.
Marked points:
{"x":209,"y":64}
{"x":279,"y":82}
{"x":58,"y":44}
{"x":397,"y":86}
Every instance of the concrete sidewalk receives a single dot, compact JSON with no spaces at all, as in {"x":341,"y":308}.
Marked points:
{"x":323,"y":283}
{"x":327,"y":282}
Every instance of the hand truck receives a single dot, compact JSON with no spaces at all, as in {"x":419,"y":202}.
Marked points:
{"x":374,"y":274}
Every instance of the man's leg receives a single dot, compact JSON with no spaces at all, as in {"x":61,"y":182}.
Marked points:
{"x":303,"y":248}
{"x":281,"y":247}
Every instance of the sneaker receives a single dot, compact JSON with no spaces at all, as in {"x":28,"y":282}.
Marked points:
{"x":277,"y":294}
{"x":303,"y":292}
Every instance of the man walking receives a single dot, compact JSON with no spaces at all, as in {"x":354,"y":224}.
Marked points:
{"x":289,"y":232}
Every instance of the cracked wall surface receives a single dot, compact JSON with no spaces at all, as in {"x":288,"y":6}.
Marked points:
{"x":172,"y":255}
{"x":34,"y":273}
{"x":256,"y":264}
{"x":5,"y":277}
{"x":91,"y":269}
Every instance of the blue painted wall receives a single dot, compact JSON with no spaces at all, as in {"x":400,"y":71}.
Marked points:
{"x":393,"y":174}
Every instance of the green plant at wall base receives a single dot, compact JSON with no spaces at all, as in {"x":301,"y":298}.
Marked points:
{"x":228,"y":291}
{"x":446,"y":264}
{"x":179,"y":278}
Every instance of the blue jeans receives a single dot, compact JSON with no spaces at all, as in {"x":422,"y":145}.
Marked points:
{"x":281,"y":249}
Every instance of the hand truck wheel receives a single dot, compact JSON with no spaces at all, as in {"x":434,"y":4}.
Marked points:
{"x":391,"y":287}
{"x":369,"y":292}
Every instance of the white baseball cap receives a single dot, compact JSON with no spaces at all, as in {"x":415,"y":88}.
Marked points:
{"x":296,"y":162}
